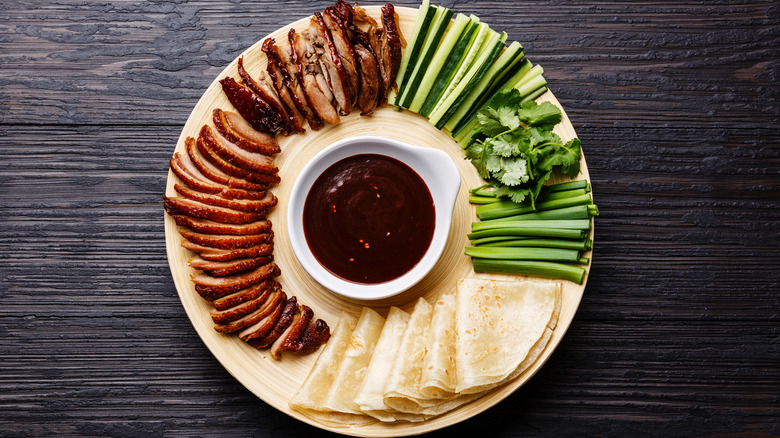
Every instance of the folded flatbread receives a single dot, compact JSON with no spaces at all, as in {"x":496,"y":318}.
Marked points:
{"x":310,"y":398}
{"x":354,"y":363}
{"x":370,"y":396}
{"x":499,"y":328}
{"x":438,"y":377}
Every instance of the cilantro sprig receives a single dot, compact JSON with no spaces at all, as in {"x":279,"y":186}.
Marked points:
{"x":516,"y":150}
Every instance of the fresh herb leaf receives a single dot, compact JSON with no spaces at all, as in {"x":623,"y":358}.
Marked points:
{"x":516,"y":150}
{"x":539,"y":114}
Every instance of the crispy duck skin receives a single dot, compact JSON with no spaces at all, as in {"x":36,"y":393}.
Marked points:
{"x":212,"y":288}
{"x":345,"y":51}
{"x":216,"y":174}
{"x":275,"y":300}
{"x":289,"y":125}
{"x":264,"y":326}
{"x":236,"y":156}
{"x":249,"y":205}
{"x":316,"y":334}
{"x":370,"y":72}
{"x":294,"y":332}
{"x":394,"y":40}
{"x":185,"y":170}
{"x":283,"y":72}
{"x":211,"y":227}
{"x":252,"y":108}
{"x":227,"y":241}
{"x":182,"y":206}
{"x":232,"y":267}
{"x":284,"y":321}
{"x":206,"y":148}
{"x":310,"y":75}
{"x":244,"y":295}
{"x":235,"y":313}
{"x":234,"y":128}
{"x":226,"y":255}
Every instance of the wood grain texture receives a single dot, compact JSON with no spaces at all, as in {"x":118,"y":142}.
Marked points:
{"x":677,"y":108}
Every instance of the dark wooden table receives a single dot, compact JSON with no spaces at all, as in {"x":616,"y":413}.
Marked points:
{"x":677,"y":109}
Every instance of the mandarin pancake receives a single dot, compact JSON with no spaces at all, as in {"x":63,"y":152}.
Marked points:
{"x":369,"y":218}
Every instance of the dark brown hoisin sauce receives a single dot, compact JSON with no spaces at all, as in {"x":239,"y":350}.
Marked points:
{"x":369,"y":218}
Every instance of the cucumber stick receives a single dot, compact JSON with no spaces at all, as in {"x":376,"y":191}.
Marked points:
{"x":475,"y":48}
{"x":506,"y":61}
{"x":527,"y":74}
{"x":493,"y":47}
{"x":442,"y":54}
{"x":471,"y":122}
{"x":441,"y":21}
{"x":452,"y":64}
{"x":424,"y":17}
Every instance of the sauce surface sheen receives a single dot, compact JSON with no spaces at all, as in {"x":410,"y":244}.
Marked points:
{"x":369,"y":218}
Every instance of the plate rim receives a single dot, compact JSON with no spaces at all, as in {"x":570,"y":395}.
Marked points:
{"x":198,"y":312}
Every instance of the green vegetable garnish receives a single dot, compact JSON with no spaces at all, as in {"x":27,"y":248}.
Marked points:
{"x":516,"y":150}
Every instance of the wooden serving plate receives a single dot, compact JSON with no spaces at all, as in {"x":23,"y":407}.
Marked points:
{"x":274,"y":381}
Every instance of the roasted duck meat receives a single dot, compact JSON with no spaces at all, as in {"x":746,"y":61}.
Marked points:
{"x":203,"y":164}
{"x":234,"y":128}
{"x":252,"y":108}
{"x":225,"y":255}
{"x":310,"y":74}
{"x":265,"y":92}
{"x":284,"y":75}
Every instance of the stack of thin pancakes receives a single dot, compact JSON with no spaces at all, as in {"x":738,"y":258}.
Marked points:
{"x":412,"y":366}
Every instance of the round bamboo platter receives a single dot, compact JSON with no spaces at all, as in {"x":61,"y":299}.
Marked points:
{"x":274,"y":381}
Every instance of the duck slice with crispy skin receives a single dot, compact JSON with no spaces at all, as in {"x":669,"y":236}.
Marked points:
{"x":206,"y":147}
{"x":183,"y":167}
{"x":370,"y":71}
{"x":227,"y":241}
{"x":232,"y":267}
{"x":332,"y":68}
{"x":212,"y":227}
{"x":225,"y":255}
{"x":310,"y":75}
{"x":250,"y":205}
{"x":183,"y":206}
{"x":267,"y":94}
{"x":392,"y":44}
{"x":214,"y":173}
{"x":315,"y":335}
{"x":264,"y":326}
{"x":295,"y":331}
{"x":346,"y":52}
{"x":269,"y":308}
{"x":244,"y":295}
{"x":256,"y":111}
{"x":234,"y":128}
{"x":253,"y":161}
{"x":212,"y":288}
{"x":241,"y":310}
{"x":284,"y":321}
{"x":284,"y":75}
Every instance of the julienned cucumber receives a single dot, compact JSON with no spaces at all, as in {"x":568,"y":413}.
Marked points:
{"x":505,"y":62}
{"x":443,"y":55}
{"x":453,"y":61}
{"x":424,"y":17}
{"x":441,"y":21}
{"x":528,"y":81}
{"x":475,"y":46}
{"x":461,"y":94}
{"x":491,"y":49}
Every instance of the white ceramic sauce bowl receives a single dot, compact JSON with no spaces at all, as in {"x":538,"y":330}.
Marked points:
{"x":434,"y":166}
